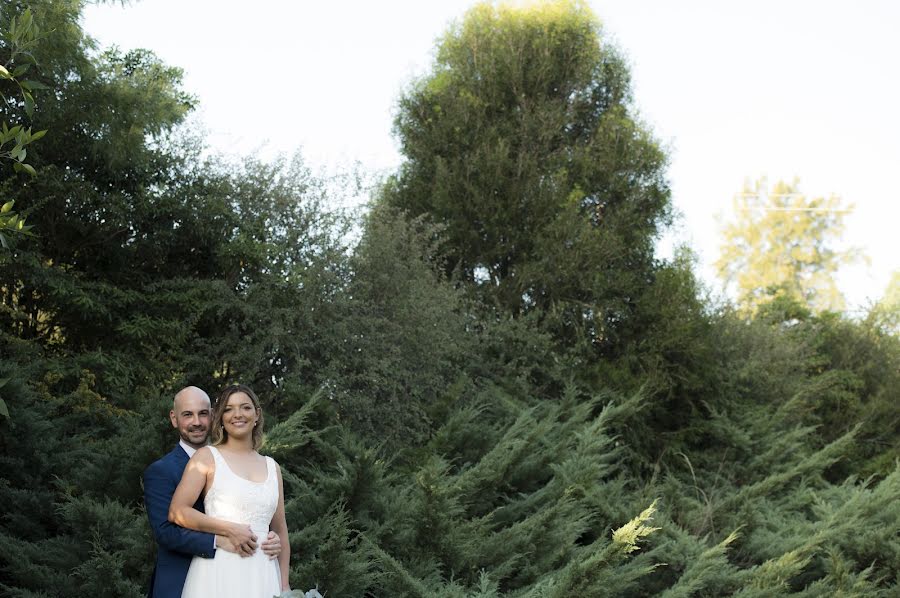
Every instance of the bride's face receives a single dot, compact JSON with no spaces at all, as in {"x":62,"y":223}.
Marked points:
{"x":239,"y":416}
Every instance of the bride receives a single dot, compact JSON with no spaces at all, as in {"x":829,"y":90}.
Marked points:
{"x":241,"y":488}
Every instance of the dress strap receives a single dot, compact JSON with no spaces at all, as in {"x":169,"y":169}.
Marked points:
{"x":217,"y":456}
{"x":218,"y":463}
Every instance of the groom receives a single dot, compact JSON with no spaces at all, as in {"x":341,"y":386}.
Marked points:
{"x":190,"y":415}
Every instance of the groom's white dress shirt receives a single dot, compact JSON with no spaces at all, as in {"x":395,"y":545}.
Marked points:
{"x":187,"y":448}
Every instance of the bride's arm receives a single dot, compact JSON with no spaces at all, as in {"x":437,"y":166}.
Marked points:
{"x":199,"y":469}
{"x":279,"y":526}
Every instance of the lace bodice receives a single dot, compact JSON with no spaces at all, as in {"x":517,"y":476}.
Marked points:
{"x":233,"y":498}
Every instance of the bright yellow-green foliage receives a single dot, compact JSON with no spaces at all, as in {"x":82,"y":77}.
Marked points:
{"x":781,"y":244}
{"x":629,"y":534}
{"x":887,"y":311}
{"x":892,"y":293}
{"x":503,"y":19}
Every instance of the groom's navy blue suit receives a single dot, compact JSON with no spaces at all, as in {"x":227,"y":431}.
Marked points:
{"x":176,"y":545}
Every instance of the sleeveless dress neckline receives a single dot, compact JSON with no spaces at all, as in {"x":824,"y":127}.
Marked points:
{"x":232,"y":472}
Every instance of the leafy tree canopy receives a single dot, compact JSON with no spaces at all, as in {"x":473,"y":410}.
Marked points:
{"x":522,"y":142}
{"x":781,"y":243}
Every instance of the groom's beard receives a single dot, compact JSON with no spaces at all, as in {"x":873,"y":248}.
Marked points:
{"x":197,"y":435}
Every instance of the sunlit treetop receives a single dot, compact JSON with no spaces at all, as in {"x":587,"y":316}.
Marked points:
{"x":782,"y":243}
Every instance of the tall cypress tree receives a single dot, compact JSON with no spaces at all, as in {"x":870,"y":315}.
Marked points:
{"x":522,"y":141}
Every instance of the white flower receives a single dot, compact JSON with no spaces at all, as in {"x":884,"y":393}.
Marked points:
{"x":314,"y":593}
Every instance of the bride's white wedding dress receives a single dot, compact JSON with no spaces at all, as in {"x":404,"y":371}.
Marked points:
{"x":228,"y":575}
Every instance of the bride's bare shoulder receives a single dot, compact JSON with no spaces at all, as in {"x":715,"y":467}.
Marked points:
{"x":203,"y":459}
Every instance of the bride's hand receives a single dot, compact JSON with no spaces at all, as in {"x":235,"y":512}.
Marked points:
{"x":242,"y":537}
{"x":271,"y":546}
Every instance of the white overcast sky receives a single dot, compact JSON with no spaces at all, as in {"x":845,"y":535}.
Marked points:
{"x":734,"y":88}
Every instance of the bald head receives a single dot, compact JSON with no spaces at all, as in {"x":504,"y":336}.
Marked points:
{"x":189,"y":394}
{"x":190,"y":415}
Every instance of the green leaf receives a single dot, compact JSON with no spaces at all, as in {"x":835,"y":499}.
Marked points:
{"x":6,"y":208}
{"x":3,"y":241}
{"x":20,"y":70}
{"x":32,"y":84}
{"x":20,"y":166}
{"x":27,"y":19}
{"x":38,"y":135}
{"x":4,"y":73}
{"x":3,"y":410}
{"x":29,"y":103}
{"x":3,"y":382}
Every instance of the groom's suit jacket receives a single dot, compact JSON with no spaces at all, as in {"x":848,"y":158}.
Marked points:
{"x":175,"y":545}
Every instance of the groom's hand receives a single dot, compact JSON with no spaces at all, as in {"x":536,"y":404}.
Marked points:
{"x":272,"y":545}
{"x":224,"y":543}
{"x":243,"y":538}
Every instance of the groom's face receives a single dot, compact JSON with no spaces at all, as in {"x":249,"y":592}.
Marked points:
{"x":190,"y":416}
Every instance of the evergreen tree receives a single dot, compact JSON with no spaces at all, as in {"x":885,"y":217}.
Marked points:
{"x":522,"y":143}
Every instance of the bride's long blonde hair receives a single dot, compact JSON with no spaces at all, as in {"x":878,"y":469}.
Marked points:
{"x":219,"y":435}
